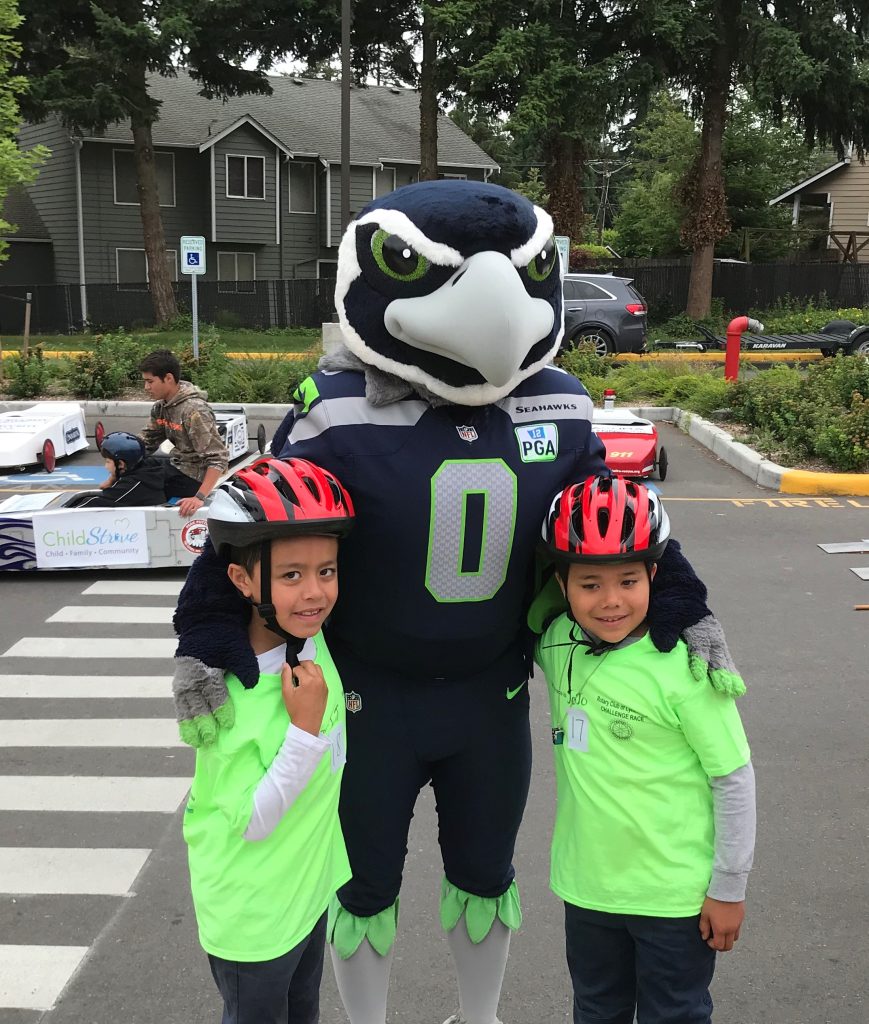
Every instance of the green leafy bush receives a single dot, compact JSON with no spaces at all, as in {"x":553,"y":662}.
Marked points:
{"x":28,"y":375}
{"x":582,"y":362}
{"x":110,"y":367}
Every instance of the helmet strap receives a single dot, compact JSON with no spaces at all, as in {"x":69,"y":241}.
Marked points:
{"x":266,"y":610}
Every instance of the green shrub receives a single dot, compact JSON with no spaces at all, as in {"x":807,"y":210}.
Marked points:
{"x":710,"y":393}
{"x":27,"y":375}
{"x":110,"y":367}
{"x":582,"y":362}
{"x":844,"y":441}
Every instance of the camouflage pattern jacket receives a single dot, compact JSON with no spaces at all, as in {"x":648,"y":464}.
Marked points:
{"x":187,"y":421}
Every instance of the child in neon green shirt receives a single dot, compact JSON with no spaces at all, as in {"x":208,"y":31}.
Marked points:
{"x":266,"y":852}
{"x":655,"y":822}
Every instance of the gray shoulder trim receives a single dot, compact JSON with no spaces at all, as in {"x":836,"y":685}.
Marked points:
{"x":353,"y":412}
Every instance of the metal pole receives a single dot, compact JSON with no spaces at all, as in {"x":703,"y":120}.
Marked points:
{"x":194,"y":309}
{"x":26,"y":344}
{"x":346,"y":16}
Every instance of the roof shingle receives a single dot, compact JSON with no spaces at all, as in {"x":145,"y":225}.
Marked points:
{"x":305,"y":115}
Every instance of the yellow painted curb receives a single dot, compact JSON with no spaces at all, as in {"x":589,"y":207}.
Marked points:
{"x":717,"y":357}
{"x":8,"y":353}
{"x":800,"y":481}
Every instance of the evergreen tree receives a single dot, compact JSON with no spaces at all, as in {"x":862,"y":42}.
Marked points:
{"x":16,"y":168}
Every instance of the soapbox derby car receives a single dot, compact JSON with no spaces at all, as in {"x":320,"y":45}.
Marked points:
{"x":631,"y":442}
{"x":45,"y":530}
{"x":48,"y":431}
{"x":41,"y":434}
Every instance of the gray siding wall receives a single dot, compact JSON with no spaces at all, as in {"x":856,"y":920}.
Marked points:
{"x":301,"y":232}
{"x":109,"y":225}
{"x":245,"y":220}
{"x":361,"y":194}
{"x":53,"y":194}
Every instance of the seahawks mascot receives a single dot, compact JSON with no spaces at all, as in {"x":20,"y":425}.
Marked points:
{"x":446,"y":422}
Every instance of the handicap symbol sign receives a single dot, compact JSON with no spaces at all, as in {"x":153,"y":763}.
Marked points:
{"x":192,"y":259}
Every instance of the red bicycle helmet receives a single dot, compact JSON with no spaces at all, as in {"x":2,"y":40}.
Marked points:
{"x":278,"y":498}
{"x":606,"y":519}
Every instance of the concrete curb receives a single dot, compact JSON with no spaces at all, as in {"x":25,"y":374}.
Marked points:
{"x":116,"y":415}
{"x":753,"y":465}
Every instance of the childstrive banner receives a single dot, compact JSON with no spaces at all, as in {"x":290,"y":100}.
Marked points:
{"x":95,"y":538}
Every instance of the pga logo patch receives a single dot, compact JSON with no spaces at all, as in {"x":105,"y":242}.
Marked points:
{"x":538,"y":442}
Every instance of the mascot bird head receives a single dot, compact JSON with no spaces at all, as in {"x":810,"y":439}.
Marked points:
{"x":452,"y":285}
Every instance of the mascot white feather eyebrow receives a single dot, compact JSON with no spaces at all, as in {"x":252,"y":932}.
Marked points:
{"x":446,"y":422}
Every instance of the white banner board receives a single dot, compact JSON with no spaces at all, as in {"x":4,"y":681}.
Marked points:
{"x":90,"y":538}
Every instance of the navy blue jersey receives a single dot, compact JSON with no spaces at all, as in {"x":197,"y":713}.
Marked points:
{"x":436,"y":575}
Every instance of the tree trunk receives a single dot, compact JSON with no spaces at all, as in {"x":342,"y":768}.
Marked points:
{"x":162,"y":294}
{"x":428,"y":102}
{"x":565,"y":163}
{"x":703,"y":192}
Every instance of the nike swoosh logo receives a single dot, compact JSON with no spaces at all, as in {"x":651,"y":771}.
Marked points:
{"x":512,"y":693}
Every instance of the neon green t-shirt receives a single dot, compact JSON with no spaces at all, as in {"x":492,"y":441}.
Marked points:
{"x":256,"y":900}
{"x":636,"y":739}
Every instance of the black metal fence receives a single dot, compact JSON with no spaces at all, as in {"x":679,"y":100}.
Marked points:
{"x":57,"y":309}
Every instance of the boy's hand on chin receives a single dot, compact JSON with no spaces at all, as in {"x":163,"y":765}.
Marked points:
{"x":720,"y":923}
{"x":305,"y":694}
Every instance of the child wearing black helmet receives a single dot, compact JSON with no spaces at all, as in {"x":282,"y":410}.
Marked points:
{"x":654,"y":831}
{"x":266,"y":851}
{"x":134,"y":477}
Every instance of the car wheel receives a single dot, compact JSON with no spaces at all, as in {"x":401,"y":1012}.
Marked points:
{"x":661,"y":464}
{"x":49,"y":459}
{"x":261,"y":438}
{"x":596,"y":336}
{"x":860,"y":347}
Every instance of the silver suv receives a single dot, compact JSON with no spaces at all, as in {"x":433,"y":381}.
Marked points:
{"x":605,"y":311}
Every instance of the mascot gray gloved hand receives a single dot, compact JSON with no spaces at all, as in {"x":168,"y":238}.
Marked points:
{"x":446,"y":421}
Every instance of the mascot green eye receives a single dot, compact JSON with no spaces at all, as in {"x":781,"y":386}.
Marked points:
{"x":396,"y":258}
{"x":541,"y":266}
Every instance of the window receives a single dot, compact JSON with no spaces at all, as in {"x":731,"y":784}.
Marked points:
{"x":461,"y":177}
{"x":131,"y":268}
{"x":585,"y":290}
{"x":303,"y":187}
{"x":236,"y":272}
{"x":384,"y":181}
{"x":124,"y":175}
{"x":245,"y":177}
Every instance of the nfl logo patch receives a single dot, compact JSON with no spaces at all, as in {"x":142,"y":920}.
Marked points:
{"x":353,"y":702}
{"x":467,"y":434}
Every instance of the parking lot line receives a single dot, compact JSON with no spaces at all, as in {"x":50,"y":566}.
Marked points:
{"x":45,"y":870}
{"x":91,"y":647}
{"x":89,"y":732}
{"x":32,"y":977}
{"x":39,"y":687}
{"x":102,"y":794}
{"x":150,"y":588}
{"x":112,"y":613}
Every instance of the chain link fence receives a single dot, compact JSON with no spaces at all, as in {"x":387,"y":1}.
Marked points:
{"x":57,"y":308}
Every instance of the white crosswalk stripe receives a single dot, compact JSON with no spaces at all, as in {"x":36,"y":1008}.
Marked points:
{"x":111,"y":613}
{"x":155,"y":588}
{"x":40,"y":869}
{"x":91,"y":647}
{"x":32,"y":977}
{"x":89,"y":732}
{"x":37,"y":687}
{"x":35,"y":972}
{"x":91,"y":793}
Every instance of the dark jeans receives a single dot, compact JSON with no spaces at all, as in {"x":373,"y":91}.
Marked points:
{"x":467,"y":740}
{"x":620,"y":963}
{"x":175,"y":483}
{"x":285,"y":990}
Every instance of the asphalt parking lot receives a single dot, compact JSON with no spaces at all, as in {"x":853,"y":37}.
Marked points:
{"x":788,"y":610}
